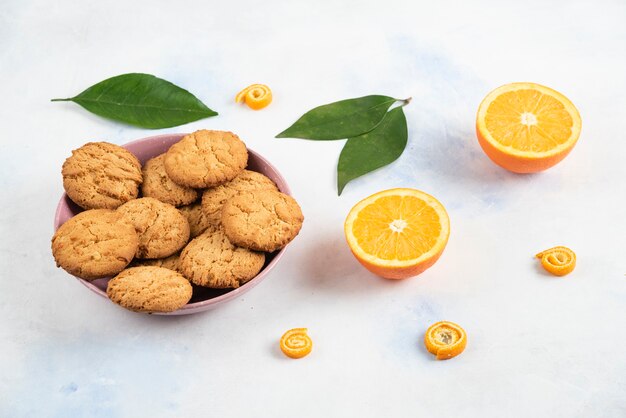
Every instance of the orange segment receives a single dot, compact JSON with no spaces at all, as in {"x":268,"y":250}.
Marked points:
{"x":527,"y":127}
{"x":397,"y":233}
{"x":558,"y":260}
{"x":295,"y":343}
{"x":256,"y":96}
{"x":445,"y":340}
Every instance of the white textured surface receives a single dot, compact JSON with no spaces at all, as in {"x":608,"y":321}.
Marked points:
{"x":538,"y":346}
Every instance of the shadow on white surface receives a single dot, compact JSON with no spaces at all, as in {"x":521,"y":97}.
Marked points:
{"x":334,"y":269}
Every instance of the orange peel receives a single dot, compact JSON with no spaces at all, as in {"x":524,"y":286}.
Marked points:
{"x":296,"y":343}
{"x":256,"y":96}
{"x":445,"y":340}
{"x":558,"y":260}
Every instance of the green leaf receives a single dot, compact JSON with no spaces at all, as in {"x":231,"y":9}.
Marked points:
{"x":374,"y":149}
{"x":142,"y":100}
{"x":339,"y":120}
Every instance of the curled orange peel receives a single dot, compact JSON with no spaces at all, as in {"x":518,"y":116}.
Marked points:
{"x":445,"y":340}
{"x":295,"y":343}
{"x":558,"y":260}
{"x":256,"y":96}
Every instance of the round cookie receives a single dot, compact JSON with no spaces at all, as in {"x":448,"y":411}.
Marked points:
{"x":261,"y":220}
{"x":94,"y":244}
{"x":170,"y":262}
{"x":100,"y":175}
{"x":213,"y":199}
{"x":198,"y":222}
{"x":210,"y":260}
{"x":149,"y":289}
{"x":206,"y":158}
{"x":161,"y":228}
{"x":157,"y":184}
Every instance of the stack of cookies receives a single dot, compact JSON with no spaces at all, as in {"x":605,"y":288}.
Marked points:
{"x":199,"y":190}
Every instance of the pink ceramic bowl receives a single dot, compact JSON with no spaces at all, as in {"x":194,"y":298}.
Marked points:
{"x":203,"y":298}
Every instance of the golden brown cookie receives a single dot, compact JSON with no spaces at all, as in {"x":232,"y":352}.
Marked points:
{"x":214,"y":198}
{"x":261,"y":220}
{"x":161,"y":228}
{"x":198,"y":222}
{"x":170,"y":262}
{"x":157,"y":184}
{"x":100,"y":175}
{"x":210,"y":260}
{"x":94,"y":244}
{"x":149,"y":289}
{"x":206,"y":158}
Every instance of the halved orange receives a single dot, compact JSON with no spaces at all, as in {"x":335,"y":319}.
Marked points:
{"x":527,"y":127}
{"x":397,"y":233}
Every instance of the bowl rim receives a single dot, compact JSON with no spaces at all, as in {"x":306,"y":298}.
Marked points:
{"x":204,"y":304}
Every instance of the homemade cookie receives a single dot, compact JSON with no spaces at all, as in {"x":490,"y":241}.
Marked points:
{"x":206,"y":158}
{"x":210,"y":260}
{"x":157,"y":184}
{"x":100,"y":175}
{"x":170,"y":262}
{"x":198,"y":222}
{"x":161,"y":228}
{"x":214,"y":198}
{"x":149,"y":289}
{"x":94,"y":244}
{"x":261,"y":220}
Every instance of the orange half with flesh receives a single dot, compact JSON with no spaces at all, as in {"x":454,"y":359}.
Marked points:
{"x":527,"y":127}
{"x":397,"y":233}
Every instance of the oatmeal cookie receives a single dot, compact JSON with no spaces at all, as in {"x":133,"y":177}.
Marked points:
{"x":157,"y":184}
{"x":213,"y":199}
{"x":210,"y":260}
{"x":94,"y":244}
{"x":261,"y":220}
{"x":161,"y":228}
{"x":149,"y":289}
{"x":206,"y":158}
{"x":100,"y":175}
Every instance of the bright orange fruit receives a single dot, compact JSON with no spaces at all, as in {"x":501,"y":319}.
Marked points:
{"x":397,"y":233}
{"x":445,"y":340}
{"x":527,"y":127}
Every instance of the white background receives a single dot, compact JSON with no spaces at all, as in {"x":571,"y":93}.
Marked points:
{"x":538,"y":346}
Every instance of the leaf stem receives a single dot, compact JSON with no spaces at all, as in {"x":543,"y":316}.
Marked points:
{"x":406,"y":101}
{"x":61,"y":100}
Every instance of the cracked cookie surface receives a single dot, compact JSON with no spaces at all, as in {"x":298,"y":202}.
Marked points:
{"x":100,"y":175}
{"x":198,"y":222}
{"x":94,"y":244}
{"x":161,"y":228}
{"x":213,"y":199}
{"x":206,"y":158}
{"x":261,"y":220}
{"x":211,"y":260}
{"x":170,"y":262}
{"x":149,"y":289}
{"x":157,"y":184}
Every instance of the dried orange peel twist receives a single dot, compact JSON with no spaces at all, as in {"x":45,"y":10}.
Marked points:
{"x":296,"y":343}
{"x":256,"y":96}
{"x":558,"y":260}
{"x":445,"y":340}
